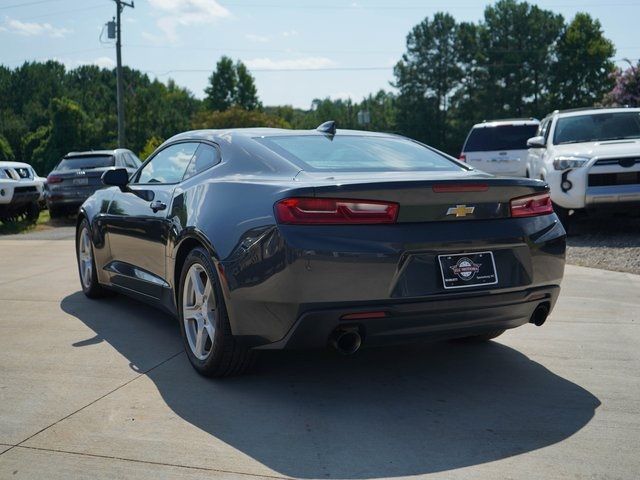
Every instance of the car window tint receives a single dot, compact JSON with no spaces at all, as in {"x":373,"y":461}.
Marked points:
{"x":597,"y":127}
{"x":169,"y":165}
{"x":86,"y":162}
{"x":351,"y":153}
{"x":206,"y":156}
{"x":505,"y":137}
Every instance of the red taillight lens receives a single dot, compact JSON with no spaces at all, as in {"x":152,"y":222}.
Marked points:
{"x":54,"y":179}
{"x":531,"y":205}
{"x":462,"y":157}
{"x":308,"y":211}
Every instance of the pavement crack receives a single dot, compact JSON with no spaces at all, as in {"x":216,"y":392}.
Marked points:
{"x":93,"y":402}
{"x":150,"y":462}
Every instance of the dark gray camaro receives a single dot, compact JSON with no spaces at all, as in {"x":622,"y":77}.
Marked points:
{"x":271,"y":239}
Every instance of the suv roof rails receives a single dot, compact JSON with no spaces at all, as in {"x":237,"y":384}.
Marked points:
{"x":582,"y":109}
{"x":523,"y":119}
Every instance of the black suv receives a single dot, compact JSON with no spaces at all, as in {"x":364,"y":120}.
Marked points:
{"x":78,"y":175}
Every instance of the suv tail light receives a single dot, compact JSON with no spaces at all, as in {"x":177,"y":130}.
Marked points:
{"x":462,"y":157}
{"x":326,"y":211}
{"x":54,"y":179}
{"x":531,"y":205}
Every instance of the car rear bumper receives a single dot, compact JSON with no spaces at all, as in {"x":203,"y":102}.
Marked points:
{"x":437,"y":319}
{"x":280,"y":278}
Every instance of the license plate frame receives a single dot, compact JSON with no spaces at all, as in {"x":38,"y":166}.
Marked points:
{"x":80,"y":182}
{"x":468,"y":270}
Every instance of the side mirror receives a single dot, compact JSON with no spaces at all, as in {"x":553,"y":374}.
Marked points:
{"x":536,"y":142}
{"x":118,"y":177}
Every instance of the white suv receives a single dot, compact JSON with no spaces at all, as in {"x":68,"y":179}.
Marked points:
{"x":21,"y":191}
{"x":500,"y":146}
{"x":589,"y":157}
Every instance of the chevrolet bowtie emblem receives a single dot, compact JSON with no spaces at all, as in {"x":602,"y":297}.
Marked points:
{"x":460,"y":210}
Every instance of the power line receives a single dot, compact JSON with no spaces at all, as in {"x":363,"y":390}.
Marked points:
{"x":27,"y":4}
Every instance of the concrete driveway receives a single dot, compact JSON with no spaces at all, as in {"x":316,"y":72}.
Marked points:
{"x":101,"y":389}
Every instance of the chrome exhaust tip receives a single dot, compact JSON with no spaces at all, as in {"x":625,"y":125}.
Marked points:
{"x":346,"y":341}
{"x":540,"y":315}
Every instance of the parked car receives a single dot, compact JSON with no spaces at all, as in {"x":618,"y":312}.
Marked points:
{"x":500,"y":146}
{"x":20,"y":191}
{"x":78,"y":174}
{"x":271,"y":239}
{"x":590,"y":158}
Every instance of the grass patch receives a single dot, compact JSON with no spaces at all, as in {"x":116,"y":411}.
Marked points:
{"x":44,"y":222}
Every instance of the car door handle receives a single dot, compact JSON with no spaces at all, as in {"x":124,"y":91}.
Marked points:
{"x":157,"y":205}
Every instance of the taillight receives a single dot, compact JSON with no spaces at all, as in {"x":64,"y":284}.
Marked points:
{"x":54,"y":179}
{"x":308,"y":211}
{"x":462,"y":157}
{"x":531,"y":205}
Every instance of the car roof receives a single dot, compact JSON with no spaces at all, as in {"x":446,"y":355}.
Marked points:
{"x":507,"y":121}
{"x":585,"y":111}
{"x":11,"y":164}
{"x":90,"y":153}
{"x":226,"y":135}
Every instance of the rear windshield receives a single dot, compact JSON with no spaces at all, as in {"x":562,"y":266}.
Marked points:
{"x":506,"y":137}
{"x":86,"y":163}
{"x":351,"y":153}
{"x":597,"y":127}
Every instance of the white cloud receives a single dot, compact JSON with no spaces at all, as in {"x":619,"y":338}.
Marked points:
{"x":257,"y":38}
{"x":184,"y":13}
{"x":290,"y":33}
{"x":308,"y":63}
{"x":29,"y":29}
{"x":102,"y":62}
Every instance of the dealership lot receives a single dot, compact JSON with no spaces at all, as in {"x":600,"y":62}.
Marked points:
{"x":103,"y":390}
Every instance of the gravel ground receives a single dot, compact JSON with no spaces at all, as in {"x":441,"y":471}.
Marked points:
{"x":609,"y":243}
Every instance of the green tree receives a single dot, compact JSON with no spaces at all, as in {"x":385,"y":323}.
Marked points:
{"x":6,"y":152}
{"x":581,"y":74}
{"x":426,"y":77}
{"x":152,"y":144}
{"x":246,"y":94}
{"x":236,"y":117}
{"x":221,"y":91}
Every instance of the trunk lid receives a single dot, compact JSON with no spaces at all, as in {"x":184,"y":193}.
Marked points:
{"x":428,"y":197}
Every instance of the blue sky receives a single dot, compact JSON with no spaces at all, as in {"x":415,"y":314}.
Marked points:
{"x":297,"y":50}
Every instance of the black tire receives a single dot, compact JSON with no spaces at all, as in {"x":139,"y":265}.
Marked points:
{"x":55,"y":212}
{"x":226,"y":356}
{"x":92,"y":288}
{"x":485,"y":337}
{"x":33,"y":212}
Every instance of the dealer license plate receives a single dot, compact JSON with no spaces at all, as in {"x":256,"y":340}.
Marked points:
{"x":464,"y":270}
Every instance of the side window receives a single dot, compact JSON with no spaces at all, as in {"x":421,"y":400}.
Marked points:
{"x":169,"y":165}
{"x":206,"y":156}
{"x":544,"y":129}
{"x":130,"y":161}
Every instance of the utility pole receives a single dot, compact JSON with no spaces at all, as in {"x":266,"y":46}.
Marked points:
{"x":120,"y":89}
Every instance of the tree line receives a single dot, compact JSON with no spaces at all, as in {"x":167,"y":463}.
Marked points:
{"x":518,"y":61}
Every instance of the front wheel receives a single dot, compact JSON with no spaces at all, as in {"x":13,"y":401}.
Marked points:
{"x":33,"y":212}
{"x":86,"y":263}
{"x":204,"y":323}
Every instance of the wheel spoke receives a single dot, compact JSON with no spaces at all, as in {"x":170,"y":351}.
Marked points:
{"x":201,"y":340}
{"x":196,"y":285}
{"x":190,"y":311}
{"x":209,"y":296}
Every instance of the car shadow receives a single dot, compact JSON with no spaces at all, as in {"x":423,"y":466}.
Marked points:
{"x":385,"y":412}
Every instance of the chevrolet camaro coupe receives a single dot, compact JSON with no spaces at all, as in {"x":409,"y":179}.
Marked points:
{"x":274,"y":239}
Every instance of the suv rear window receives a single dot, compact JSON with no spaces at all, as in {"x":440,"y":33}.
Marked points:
{"x":506,"y":137}
{"x":86,"y":163}
{"x":351,"y":153}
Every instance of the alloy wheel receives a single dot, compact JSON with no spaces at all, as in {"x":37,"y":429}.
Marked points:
{"x":199,"y":311}
{"x":85,"y":257}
